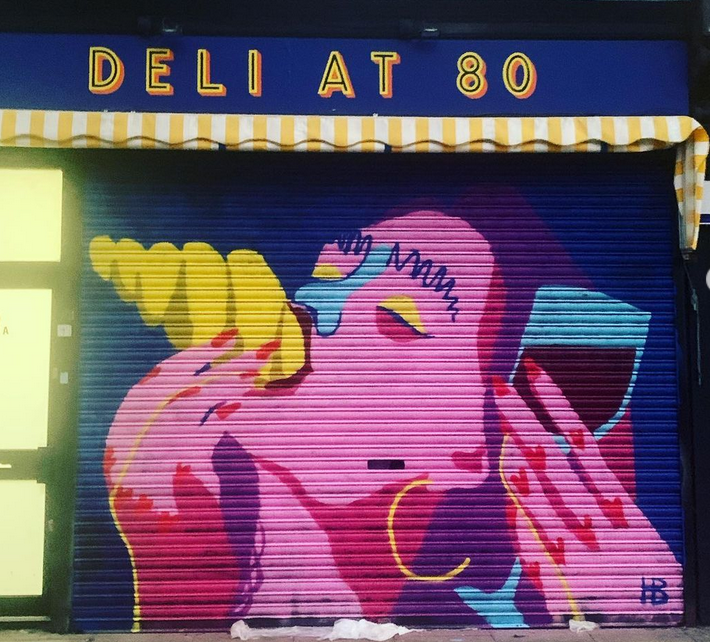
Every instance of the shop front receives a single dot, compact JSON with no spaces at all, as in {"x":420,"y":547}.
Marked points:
{"x":437,"y":388}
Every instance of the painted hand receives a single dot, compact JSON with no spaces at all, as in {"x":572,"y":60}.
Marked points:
{"x":167,"y":456}
{"x":164,"y":417}
{"x":581,"y":538}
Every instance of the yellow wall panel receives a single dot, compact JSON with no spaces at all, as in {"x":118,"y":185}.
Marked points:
{"x":21,"y":537}
{"x":25,"y":333}
{"x":30,"y":214}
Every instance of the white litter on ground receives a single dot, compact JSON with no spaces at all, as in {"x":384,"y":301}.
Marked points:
{"x":365,"y":630}
{"x":342,"y":630}
{"x":242,"y":631}
{"x":582,"y":626}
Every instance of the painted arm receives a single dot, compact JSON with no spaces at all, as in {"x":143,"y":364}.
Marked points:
{"x":167,"y":457}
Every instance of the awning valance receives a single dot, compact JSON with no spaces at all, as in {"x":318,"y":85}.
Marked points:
{"x":28,"y":128}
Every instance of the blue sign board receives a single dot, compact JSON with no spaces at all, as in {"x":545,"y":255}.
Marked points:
{"x":343,"y":77}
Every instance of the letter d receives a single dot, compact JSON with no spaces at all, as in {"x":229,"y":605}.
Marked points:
{"x":101,"y":58}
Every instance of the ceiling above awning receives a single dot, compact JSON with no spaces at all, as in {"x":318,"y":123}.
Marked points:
{"x":26,"y":128}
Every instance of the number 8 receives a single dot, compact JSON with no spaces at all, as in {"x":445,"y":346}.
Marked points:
{"x":471,"y":81}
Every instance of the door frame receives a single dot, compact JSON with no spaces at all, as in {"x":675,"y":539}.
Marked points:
{"x":55,"y":465}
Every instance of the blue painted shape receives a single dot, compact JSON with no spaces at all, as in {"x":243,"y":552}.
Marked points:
{"x":567,"y":316}
{"x":562,"y":443}
{"x":498,"y":608}
{"x":327,"y":298}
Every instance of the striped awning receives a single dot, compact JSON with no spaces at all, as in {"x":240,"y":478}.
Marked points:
{"x":27,"y":128}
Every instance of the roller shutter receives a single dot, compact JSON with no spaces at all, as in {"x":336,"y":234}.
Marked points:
{"x":427,"y":389}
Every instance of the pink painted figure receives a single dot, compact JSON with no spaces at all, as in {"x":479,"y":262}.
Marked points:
{"x":315,"y":497}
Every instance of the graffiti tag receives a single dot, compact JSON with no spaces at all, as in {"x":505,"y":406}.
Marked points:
{"x":653,"y":593}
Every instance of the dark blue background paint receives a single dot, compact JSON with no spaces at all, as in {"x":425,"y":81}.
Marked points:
{"x":574,"y":77}
{"x":601,"y":221}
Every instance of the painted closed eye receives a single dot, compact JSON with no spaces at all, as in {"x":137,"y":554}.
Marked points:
{"x":398,"y":319}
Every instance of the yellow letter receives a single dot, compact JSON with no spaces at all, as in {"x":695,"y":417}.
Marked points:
{"x":204,"y":85}
{"x":385,"y":60}
{"x":155,"y":69}
{"x":471,"y":81}
{"x":255,"y":72}
{"x":98,"y":83}
{"x":336,"y":77}
{"x":526,"y":87}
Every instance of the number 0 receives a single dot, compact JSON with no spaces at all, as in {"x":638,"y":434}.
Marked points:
{"x":516,"y":63}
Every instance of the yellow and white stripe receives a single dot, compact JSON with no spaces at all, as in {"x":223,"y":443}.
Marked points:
{"x":27,"y":128}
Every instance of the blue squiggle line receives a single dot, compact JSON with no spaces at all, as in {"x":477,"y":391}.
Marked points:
{"x":209,"y":412}
{"x":356,"y":243}
{"x":421,"y":269}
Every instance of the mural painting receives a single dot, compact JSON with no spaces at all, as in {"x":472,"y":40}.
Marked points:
{"x":418,"y":430}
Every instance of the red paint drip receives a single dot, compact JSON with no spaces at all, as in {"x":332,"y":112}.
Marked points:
{"x":537,"y":457}
{"x":223,"y":337}
{"x":578,"y":440}
{"x":584,"y":532}
{"x":614,"y":511}
{"x":144,"y":503}
{"x":500,"y":386}
{"x":188,"y":392}
{"x":511,"y":514}
{"x":532,"y":570}
{"x":109,"y":461}
{"x":265,"y":351}
{"x":153,"y":373}
{"x":521,"y":482}
{"x":223,"y":412}
{"x":470,"y":462}
{"x":621,"y":440}
{"x":557,"y":551}
{"x":534,"y":371}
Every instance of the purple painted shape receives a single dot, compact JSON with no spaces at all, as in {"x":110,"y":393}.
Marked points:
{"x":470,"y":523}
{"x":527,"y":252}
{"x":239,"y":503}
